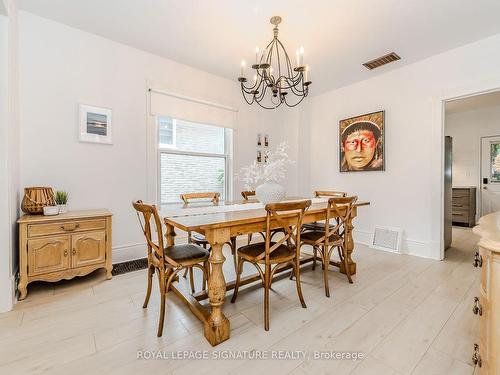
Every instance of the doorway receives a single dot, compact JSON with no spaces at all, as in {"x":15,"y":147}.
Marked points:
{"x":471,"y":162}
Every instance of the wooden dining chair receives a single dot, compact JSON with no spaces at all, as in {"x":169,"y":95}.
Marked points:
{"x":246,"y":195}
{"x":198,"y":238}
{"x":330,"y":237}
{"x":322,"y":194}
{"x":166,"y":262}
{"x":275,"y":255}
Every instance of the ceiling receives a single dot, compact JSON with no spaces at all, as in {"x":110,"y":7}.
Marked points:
{"x":471,"y":103}
{"x":337,"y":35}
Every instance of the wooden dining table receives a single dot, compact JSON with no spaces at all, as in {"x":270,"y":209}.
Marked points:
{"x":221,"y":222}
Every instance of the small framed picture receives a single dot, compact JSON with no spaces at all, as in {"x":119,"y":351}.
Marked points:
{"x":95,"y":124}
{"x":266,"y":140}
{"x":259,"y":140}
{"x":259,"y":156}
{"x":266,"y":156}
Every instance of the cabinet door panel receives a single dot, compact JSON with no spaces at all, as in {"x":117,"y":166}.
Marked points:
{"x":88,"y":248}
{"x":48,"y":255}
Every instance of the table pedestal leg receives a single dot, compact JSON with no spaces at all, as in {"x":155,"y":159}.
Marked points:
{"x":217,"y":325}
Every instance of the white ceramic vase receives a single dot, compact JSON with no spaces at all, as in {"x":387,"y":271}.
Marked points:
{"x":270,"y":192}
{"x":63,"y":208}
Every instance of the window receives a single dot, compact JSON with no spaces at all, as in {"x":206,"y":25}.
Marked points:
{"x":166,"y":132}
{"x":192,"y":158}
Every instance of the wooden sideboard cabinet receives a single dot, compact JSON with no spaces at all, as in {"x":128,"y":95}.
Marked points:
{"x":463,"y":206}
{"x":52,"y":248}
{"x":486,"y":352}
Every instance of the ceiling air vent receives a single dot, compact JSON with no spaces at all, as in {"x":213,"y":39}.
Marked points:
{"x":387,"y":239}
{"x":381,"y":61}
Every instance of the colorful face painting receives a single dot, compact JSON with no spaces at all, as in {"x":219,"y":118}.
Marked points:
{"x":362,"y":143}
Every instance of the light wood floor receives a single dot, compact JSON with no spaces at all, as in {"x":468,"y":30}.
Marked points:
{"x":408,"y":315}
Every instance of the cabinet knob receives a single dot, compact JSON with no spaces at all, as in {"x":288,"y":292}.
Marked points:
{"x":476,"y":307}
{"x":74,"y":251}
{"x":476,"y":358}
{"x":478,"y":260}
{"x":65,"y":253}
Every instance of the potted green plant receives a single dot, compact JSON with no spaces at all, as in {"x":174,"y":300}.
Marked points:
{"x":61,"y":198}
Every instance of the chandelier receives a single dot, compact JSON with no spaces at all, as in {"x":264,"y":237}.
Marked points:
{"x":275,"y":81}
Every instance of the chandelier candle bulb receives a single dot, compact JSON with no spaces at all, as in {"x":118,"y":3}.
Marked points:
{"x":297,"y":56}
{"x":306,"y":74}
{"x":301,"y":56}
{"x":242,"y":71}
{"x":256,"y":55}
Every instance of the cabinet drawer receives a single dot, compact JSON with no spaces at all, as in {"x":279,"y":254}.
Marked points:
{"x":461,"y":202}
{"x":65,"y":227}
{"x":485,"y":258}
{"x":484,"y":320}
{"x":460,"y":211}
{"x":459,"y":193}
{"x":460,"y":218}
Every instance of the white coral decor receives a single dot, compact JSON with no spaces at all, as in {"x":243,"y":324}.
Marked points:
{"x":256,"y":175}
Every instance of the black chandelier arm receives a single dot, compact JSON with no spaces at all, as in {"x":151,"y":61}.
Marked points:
{"x":296,"y":104}
{"x":288,"y":63}
{"x":293,"y":84}
{"x":297,"y":90}
{"x":245,"y":97}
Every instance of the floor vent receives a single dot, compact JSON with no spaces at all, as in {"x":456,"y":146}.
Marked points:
{"x":387,"y":239}
{"x":379,"y":61}
{"x":130,"y":266}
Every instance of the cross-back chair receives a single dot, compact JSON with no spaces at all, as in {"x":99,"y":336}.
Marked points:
{"x":246,"y":195}
{"x":166,"y":262}
{"x":322,"y":194}
{"x":331,"y":236}
{"x":275,"y":255}
{"x":198,"y":238}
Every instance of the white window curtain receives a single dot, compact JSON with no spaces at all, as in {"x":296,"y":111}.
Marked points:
{"x":163,"y":103}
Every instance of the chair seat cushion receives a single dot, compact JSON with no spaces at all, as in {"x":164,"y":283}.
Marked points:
{"x":199,"y":238}
{"x":313,"y":236}
{"x":186,"y":252}
{"x":315,"y":226}
{"x":252,"y":251}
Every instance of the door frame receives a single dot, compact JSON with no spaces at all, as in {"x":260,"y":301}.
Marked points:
{"x":480,"y":88}
{"x":479,"y":204}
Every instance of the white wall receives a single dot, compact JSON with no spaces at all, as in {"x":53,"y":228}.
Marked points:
{"x":9,"y":152}
{"x":61,"y":67}
{"x":467,"y":128}
{"x":408,"y":193}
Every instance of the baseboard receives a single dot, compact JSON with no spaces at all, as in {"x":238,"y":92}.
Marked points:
{"x":125,"y":253}
{"x":423,"y":249}
{"x":7,"y":294}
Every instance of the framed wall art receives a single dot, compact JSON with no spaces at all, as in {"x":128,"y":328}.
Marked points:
{"x":95,"y":124}
{"x":362,"y":143}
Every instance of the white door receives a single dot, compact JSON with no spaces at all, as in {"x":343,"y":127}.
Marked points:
{"x":490,"y":175}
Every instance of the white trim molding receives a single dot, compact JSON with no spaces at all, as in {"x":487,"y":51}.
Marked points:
{"x":423,"y":249}
{"x":6,"y":299}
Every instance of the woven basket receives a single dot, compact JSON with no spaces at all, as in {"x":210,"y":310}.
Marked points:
{"x":36,"y":198}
